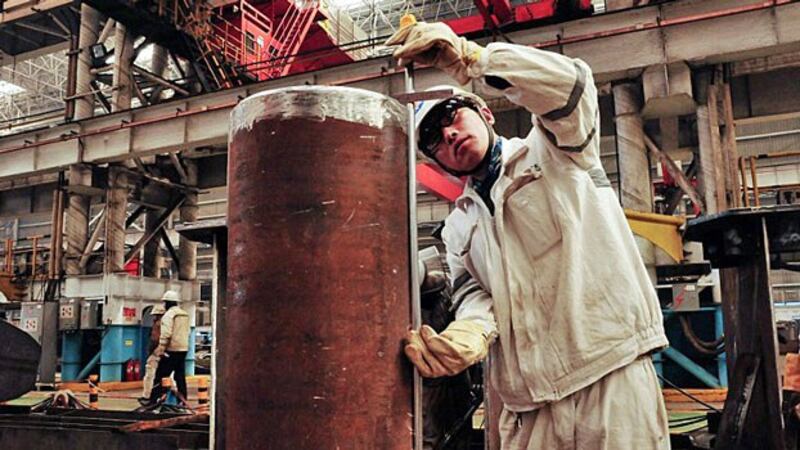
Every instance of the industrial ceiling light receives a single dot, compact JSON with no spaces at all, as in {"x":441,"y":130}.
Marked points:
{"x":7,"y":88}
{"x":99,"y":54}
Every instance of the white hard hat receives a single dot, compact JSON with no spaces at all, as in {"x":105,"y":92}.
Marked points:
{"x":171,"y":296}
{"x":422,"y":108}
{"x":158,"y":310}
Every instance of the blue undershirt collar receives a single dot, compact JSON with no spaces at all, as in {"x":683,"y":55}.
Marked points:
{"x":484,"y":187}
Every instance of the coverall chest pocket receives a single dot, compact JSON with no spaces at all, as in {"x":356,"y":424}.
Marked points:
{"x":473,"y":253}
{"x":529,"y":213}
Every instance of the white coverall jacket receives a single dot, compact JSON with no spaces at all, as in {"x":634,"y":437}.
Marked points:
{"x":555,"y":273}
{"x":175,"y":330}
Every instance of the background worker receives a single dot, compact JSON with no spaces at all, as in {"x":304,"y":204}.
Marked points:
{"x":152,"y":360}
{"x":173,"y":346}
{"x":540,"y":253}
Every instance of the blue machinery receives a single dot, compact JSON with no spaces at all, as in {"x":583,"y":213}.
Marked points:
{"x":104,"y":321}
{"x":119,"y":344}
{"x":716,"y":379}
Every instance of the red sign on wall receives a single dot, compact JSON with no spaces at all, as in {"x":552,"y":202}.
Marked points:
{"x":129,"y":314}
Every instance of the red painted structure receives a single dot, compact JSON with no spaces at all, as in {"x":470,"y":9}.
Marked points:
{"x":275,"y":38}
{"x":240,"y":33}
{"x":439,"y":183}
{"x":497,"y":13}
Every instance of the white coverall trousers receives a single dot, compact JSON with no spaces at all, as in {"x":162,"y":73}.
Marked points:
{"x":622,"y":411}
{"x":149,"y":374}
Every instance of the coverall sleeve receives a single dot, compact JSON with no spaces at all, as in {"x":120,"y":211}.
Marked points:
{"x":558,"y":90}
{"x":166,"y":328}
{"x":471,"y":300}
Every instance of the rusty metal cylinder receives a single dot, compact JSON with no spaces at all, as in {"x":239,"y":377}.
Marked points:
{"x":318,"y":273}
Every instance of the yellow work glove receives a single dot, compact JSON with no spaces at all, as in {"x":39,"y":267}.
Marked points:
{"x":460,"y":345}
{"x":435,"y":44}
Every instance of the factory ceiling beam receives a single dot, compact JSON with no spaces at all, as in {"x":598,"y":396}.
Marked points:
{"x":144,"y":73}
{"x":694,"y":31}
{"x":178,"y":167}
{"x":170,"y":248}
{"x":8,"y":60}
{"x":40,"y":29}
{"x":14,"y":13}
{"x":162,"y":220}
{"x":98,"y":231}
{"x":766,"y":64}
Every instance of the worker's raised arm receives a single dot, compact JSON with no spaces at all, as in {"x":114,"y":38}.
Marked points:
{"x":558,"y":90}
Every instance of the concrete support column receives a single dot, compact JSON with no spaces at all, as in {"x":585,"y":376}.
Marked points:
{"x":87,"y":36}
{"x":152,"y":260}
{"x":187,"y":250}
{"x":634,"y":165}
{"x":116,"y":206}
{"x":77,"y":219}
{"x":730,"y":151}
{"x":712,"y":177}
{"x":670,"y":131}
{"x":122,"y":77}
{"x":711,"y":182}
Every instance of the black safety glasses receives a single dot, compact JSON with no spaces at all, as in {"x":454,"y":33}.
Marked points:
{"x":440,"y":116}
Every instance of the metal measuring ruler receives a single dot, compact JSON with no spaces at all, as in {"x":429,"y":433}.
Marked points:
{"x":409,"y":98}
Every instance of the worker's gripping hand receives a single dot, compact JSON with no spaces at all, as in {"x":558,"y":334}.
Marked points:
{"x":460,"y":345}
{"x":435,"y":44}
{"x":160,"y":351}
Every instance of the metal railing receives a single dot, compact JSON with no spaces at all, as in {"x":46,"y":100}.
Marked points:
{"x":748,"y":165}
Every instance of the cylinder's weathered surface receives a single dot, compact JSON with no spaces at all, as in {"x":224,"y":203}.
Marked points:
{"x":318,"y":286}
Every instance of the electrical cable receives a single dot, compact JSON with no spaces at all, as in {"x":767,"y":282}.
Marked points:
{"x":687,"y":420}
{"x":682,"y":391}
{"x":704,"y":347}
{"x":689,"y":423}
{"x":675,"y":427}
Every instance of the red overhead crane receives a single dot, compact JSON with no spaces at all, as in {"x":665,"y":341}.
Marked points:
{"x":500,"y":13}
{"x":297,"y":30}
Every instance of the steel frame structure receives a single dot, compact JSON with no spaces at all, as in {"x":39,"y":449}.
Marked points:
{"x":44,"y":81}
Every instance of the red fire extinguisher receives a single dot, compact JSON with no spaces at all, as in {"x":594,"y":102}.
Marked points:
{"x":133,"y":370}
{"x":128,"y":370}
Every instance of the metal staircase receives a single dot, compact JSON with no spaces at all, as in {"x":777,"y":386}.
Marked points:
{"x":289,"y":37}
{"x":218,"y":65}
{"x":13,"y":288}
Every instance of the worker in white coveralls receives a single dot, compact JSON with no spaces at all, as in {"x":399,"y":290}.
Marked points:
{"x":173,"y":345}
{"x":541,"y":256}
{"x":152,"y":359}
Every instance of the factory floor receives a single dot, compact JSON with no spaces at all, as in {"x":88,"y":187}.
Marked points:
{"x":112,"y":396}
{"x":688,"y":421}
{"x":686,"y":415}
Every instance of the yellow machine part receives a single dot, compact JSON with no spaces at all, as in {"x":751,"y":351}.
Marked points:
{"x":660,"y":229}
